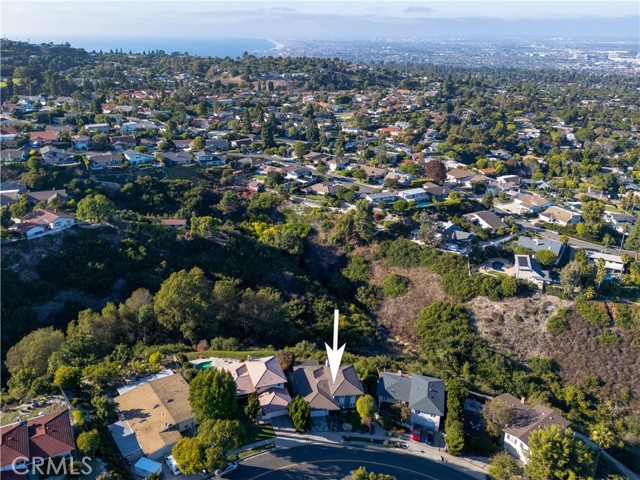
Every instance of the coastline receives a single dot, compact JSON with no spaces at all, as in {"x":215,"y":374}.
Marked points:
{"x":276,"y":45}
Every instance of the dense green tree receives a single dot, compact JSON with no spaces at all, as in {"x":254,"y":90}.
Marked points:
{"x":67,"y":377}
{"x":190,"y":455}
{"x":366,"y":407}
{"x":429,"y":232}
{"x":395,"y":285}
{"x":633,"y":240}
{"x":252,"y":410}
{"x":558,"y":455}
{"x":184,"y":302}
{"x":363,"y":221}
{"x":505,"y":467}
{"x":88,"y":442}
{"x":546,"y":258}
{"x":454,"y":436}
{"x":212,"y":395}
{"x":32,"y":352}
{"x":300,"y":414}
{"x":102,"y":410}
{"x":225,"y":434}
{"x":95,"y":209}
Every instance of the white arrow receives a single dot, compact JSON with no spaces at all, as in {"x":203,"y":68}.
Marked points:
{"x":335,"y":354}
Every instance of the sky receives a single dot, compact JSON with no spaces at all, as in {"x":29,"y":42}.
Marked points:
{"x":49,"y":20}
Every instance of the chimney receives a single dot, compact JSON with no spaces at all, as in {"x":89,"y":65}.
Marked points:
{"x":522,"y":400}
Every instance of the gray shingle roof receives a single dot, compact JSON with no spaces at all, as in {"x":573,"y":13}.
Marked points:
{"x":419,"y":392}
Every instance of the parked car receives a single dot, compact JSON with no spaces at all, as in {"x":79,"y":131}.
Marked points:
{"x":416,"y":434}
{"x":172,"y":464}
{"x":430,"y":437}
{"x":228,"y":468}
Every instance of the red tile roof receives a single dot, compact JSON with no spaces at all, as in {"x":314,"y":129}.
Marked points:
{"x":45,"y":436}
{"x":15,"y":443}
{"x":43,"y":136}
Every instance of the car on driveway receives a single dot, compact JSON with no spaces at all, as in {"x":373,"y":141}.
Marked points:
{"x":172,"y":464}
{"x":430,"y":437}
{"x":416,"y":433}
{"x":228,"y":468}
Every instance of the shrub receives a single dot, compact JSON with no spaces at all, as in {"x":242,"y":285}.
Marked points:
{"x":608,"y":339}
{"x":627,"y":316}
{"x":155,"y":358}
{"x":395,"y":285}
{"x":546,"y":258}
{"x":226,"y":344}
{"x":559,"y":322}
{"x":88,"y":442}
{"x":593,"y":313}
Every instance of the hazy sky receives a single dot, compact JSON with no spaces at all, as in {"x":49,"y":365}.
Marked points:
{"x":57,"y":21}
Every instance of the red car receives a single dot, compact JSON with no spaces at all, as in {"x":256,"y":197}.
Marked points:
{"x":416,"y":434}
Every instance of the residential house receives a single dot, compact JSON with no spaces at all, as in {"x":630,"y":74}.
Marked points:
{"x":55,"y":156}
{"x":38,"y":138}
{"x":385,"y":197}
{"x":374,"y":174}
{"x":316,"y":157}
{"x":122,"y":142}
{"x":129,"y":127}
{"x":97,"y":128}
{"x":81,"y":142}
{"x":529,"y":270}
{"x":13,"y":155}
{"x":8,"y":134}
{"x":241,"y":142}
{"x":314,"y":383}
{"x":418,"y":195}
{"x":620,"y":221}
{"x":324,"y":188}
{"x":436,"y":191}
{"x":255,"y":185}
{"x":137,"y":158}
{"x":264,"y":376}
{"x":47,"y":196}
{"x":301,"y":174}
{"x":559,"y":215}
{"x":204,"y":158}
{"x":425,"y":396}
{"x":613,"y":264}
{"x":337,"y":164}
{"x":153,"y":416}
{"x":184,"y":145}
{"x":528,"y":203}
{"x":399,"y":178}
{"x":486,"y":219}
{"x":43,"y":437}
{"x":217,"y":144}
{"x":526,"y":419}
{"x":43,"y":222}
{"x":174,"y":158}
{"x":459,"y":176}
{"x":537,"y":244}
{"x":107,"y":160}
{"x":454,"y":237}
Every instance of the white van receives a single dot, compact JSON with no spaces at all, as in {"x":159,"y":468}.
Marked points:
{"x":172,"y":464}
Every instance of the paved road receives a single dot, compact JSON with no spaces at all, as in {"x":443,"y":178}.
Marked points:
{"x":574,"y":242}
{"x":319,"y":462}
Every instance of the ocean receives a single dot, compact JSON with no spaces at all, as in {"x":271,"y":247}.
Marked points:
{"x":212,"y":47}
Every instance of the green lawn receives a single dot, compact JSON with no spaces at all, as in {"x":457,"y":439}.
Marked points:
{"x":252,"y":451}
{"x":258,"y":433}
{"x":230,"y":354}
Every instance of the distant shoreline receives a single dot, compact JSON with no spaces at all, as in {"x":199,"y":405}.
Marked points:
{"x":276,"y":45}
